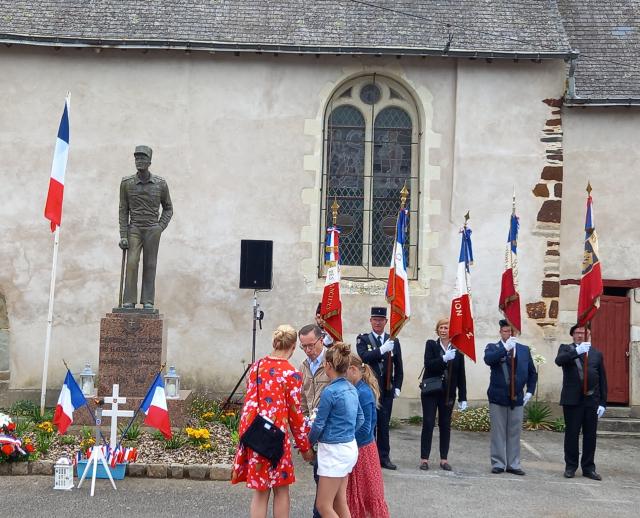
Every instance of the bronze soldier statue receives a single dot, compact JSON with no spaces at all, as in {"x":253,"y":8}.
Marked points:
{"x":141,"y":224}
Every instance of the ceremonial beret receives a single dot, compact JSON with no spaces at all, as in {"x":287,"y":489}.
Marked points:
{"x":379,"y":312}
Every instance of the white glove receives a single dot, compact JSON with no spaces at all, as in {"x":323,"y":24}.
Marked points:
{"x":327,"y":340}
{"x":386,"y":347}
{"x":527,"y":397}
{"x":449,"y":355}
{"x":462,"y":405}
{"x":583,"y":347}
{"x":510,"y":344}
{"x":396,"y":392}
{"x":600,"y":411}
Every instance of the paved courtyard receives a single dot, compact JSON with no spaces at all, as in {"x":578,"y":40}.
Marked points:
{"x":470,"y":490}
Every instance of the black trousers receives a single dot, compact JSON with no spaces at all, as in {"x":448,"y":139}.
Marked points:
{"x":382,"y":425}
{"x":580,"y":417}
{"x":431,"y":404}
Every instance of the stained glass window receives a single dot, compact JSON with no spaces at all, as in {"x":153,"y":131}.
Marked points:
{"x":371,"y":143}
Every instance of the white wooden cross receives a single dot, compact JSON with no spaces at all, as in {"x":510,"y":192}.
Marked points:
{"x":114,"y":413}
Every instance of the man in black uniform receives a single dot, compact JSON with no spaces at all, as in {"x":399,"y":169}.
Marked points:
{"x":385,"y":359}
{"x":582,"y":407}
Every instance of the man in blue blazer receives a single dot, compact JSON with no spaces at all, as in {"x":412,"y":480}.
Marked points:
{"x":511,"y":369}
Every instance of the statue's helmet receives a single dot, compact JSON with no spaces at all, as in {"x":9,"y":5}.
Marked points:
{"x":143,"y":150}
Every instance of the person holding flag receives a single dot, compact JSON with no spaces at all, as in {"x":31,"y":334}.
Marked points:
{"x":584,"y":380}
{"x":512,"y":368}
{"x":381,"y":351}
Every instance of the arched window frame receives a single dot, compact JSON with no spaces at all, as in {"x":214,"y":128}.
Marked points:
{"x":393,"y":94}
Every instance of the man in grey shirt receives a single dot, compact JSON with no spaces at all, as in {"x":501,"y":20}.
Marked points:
{"x":141,"y":224}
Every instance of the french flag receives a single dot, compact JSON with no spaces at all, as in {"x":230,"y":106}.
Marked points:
{"x":71,"y":398}
{"x":331,"y":307}
{"x":461,"y":330}
{"x":509,"y":302}
{"x":155,"y":408}
{"x":397,"y":294}
{"x":591,"y":282}
{"x":53,"y":207}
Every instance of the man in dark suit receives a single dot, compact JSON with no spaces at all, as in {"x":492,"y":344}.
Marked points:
{"x":511,"y":369}
{"x":385,"y":359}
{"x":582,"y":406}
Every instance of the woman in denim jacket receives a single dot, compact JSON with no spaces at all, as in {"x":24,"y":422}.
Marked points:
{"x":338,"y":418}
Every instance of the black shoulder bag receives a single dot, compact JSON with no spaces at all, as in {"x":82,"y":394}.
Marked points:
{"x":430,"y":386}
{"x":263,"y":436}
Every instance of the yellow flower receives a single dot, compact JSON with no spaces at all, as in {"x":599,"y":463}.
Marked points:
{"x":205,"y":446}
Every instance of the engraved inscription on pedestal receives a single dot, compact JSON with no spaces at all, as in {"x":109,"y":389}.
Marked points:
{"x":132,"y":350}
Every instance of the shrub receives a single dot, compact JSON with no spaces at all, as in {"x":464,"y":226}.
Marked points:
{"x":472,"y":420}
{"x":558,"y":425}
{"x":415,"y":419}
{"x":23,"y":408}
{"x":537,"y":416}
{"x":67,"y":440}
{"x":43,"y":442}
{"x":23,"y":426}
{"x":231,"y":420}
{"x":202,"y":405}
{"x":133,"y":433}
{"x":178,"y":440}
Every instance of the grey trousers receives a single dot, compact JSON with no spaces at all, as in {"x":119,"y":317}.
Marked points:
{"x":506,"y":425}
{"x":145,"y":240}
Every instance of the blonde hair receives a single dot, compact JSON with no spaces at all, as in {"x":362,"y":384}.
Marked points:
{"x":338,"y":356}
{"x":284,"y":338}
{"x":441,"y":322}
{"x":367,"y":375}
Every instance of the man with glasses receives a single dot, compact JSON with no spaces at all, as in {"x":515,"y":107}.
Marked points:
{"x":314,"y":379}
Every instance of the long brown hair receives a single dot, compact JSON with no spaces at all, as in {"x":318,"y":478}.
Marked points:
{"x":367,"y":375}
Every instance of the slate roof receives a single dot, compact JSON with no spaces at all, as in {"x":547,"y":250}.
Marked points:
{"x":500,"y":28}
{"x":607,"y":35}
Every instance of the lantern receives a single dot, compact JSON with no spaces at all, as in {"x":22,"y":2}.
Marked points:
{"x":63,"y":474}
{"x":87,"y":381}
{"x":172,"y":383}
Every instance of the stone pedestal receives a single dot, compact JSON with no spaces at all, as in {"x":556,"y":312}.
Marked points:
{"x":133,"y":347}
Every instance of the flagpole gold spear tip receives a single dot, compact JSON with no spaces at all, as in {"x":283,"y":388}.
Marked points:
{"x":404,"y":194}
{"x":466,"y":217}
{"x":334,"y":211}
{"x":589,"y":189}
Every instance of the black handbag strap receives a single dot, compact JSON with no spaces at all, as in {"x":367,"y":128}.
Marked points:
{"x":258,"y":384}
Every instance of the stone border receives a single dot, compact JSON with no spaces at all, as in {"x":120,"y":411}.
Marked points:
{"x":218,"y":472}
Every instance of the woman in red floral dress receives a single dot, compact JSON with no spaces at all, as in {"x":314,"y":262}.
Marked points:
{"x":280,"y":389}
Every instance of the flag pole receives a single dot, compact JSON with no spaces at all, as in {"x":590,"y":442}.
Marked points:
{"x":585,"y":366}
{"x":124,"y":433}
{"x":47,"y":343}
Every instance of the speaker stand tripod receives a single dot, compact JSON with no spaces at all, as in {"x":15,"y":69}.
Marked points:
{"x":258,"y":315}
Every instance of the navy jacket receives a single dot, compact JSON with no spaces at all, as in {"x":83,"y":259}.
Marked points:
{"x":369,"y":353}
{"x":495,"y":355}
{"x":572,"y":385}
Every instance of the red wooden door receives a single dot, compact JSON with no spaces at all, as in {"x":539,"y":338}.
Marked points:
{"x":610,"y":334}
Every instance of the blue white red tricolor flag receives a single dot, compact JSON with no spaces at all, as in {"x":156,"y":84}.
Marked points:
{"x":398,"y":284}
{"x":53,"y":207}
{"x":461,"y":330}
{"x":509,"y":302}
{"x":154,"y":407}
{"x":591,"y":282}
{"x":331,"y":306}
{"x":71,"y":398}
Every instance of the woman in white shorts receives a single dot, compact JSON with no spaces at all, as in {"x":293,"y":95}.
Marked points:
{"x":338,"y":418}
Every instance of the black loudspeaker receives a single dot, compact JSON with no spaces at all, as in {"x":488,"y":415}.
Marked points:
{"x":256,"y":264}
